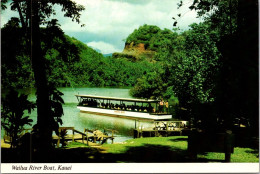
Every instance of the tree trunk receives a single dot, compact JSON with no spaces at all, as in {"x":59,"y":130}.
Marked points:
{"x":44,"y":119}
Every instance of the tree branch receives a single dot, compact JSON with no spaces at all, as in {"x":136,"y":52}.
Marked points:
{"x":17,"y":4}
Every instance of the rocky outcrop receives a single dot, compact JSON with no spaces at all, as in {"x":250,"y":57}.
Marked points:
{"x":135,"y":52}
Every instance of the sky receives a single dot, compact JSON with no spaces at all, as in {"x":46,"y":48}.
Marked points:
{"x":109,"y":22}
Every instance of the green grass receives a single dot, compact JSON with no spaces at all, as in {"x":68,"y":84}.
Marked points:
{"x":172,"y":142}
{"x":169,"y":146}
{"x":76,"y":145}
{"x":239,"y":155}
{"x":180,"y":142}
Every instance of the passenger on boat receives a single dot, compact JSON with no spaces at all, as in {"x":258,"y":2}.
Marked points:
{"x":85,"y":102}
{"x":161,"y":103}
{"x":132,"y":107}
{"x":157,"y":126}
{"x":171,"y":126}
{"x":182,"y":125}
{"x":123,"y":106}
{"x":166,"y":106}
{"x":136,"y":108}
{"x":162,"y":126}
{"x":150,"y":108}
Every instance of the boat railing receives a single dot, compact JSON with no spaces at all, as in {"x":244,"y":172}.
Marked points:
{"x":123,"y":107}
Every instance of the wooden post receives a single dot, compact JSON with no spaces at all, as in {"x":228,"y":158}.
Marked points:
{"x":72,"y":135}
{"x":229,"y":146}
{"x":58,"y":141}
{"x":227,"y":157}
{"x":83,"y":139}
{"x":141,"y":132}
{"x":31,"y":148}
{"x":86,"y":135}
{"x":156,"y":129}
{"x":167,"y":129}
{"x":112,"y":136}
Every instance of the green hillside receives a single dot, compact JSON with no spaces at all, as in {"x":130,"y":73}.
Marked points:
{"x":69,"y":62}
{"x":151,"y":36}
{"x":145,"y":42}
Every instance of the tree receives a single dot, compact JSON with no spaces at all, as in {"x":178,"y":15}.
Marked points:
{"x":237,"y":24}
{"x":194,"y":70}
{"x":143,"y":34}
{"x":32,"y":14}
{"x":191,"y":66}
{"x":12,"y":111}
{"x":186,"y":68}
{"x":149,"y":85}
{"x":15,"y":63}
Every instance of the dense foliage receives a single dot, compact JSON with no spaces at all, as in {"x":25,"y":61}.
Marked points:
{"x":33,"y":15}
{"x":236,"y":23}
{"x":69,"y":62}
{"x":151,"y":36}
{"x":188,"y":63}
{"x":14,"y":107}
{"x":212,"y":68}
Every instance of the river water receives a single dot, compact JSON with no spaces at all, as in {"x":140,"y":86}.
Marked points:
{"x":74,"y":118}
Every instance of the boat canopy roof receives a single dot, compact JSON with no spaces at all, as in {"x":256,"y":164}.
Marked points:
{"x":118,"y":99}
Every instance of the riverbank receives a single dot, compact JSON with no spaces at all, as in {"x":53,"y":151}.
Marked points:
{"x":155,"y":149}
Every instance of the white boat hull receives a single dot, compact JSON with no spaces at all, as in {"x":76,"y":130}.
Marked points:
{"x":130,"y":114}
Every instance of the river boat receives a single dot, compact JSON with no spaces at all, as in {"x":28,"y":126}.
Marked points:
{"x":123,"y":107}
